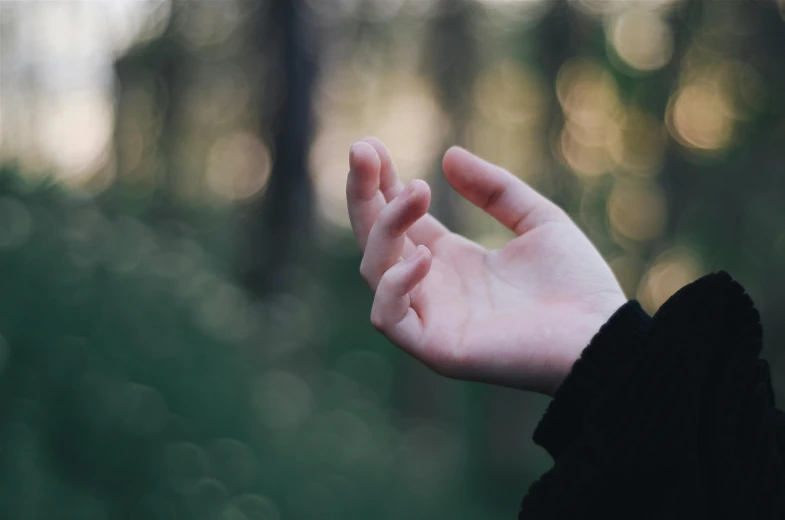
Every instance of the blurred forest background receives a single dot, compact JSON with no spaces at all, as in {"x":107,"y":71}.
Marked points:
{"x":184,"y":333}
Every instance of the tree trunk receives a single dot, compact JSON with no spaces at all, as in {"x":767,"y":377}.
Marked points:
{"x":279,"y":223}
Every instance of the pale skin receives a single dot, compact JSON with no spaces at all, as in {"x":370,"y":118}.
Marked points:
{"x":518,"y":316}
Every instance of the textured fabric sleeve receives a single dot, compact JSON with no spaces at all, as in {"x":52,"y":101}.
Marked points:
{"x":688,"y":430}
{"x":608,"y":356}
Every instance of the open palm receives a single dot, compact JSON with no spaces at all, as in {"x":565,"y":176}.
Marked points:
{"x":516,"y":316}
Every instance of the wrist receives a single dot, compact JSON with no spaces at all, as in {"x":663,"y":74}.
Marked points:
{"x":614,"y":343}
{"x":597,"y":327}
{"x":608,"y":355}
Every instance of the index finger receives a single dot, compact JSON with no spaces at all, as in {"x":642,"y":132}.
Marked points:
{"x":425,"y":231}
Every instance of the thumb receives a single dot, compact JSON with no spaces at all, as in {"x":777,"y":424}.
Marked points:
{"x":508,"y":199}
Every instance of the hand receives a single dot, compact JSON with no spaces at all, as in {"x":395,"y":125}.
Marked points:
{"x":517,"y":316}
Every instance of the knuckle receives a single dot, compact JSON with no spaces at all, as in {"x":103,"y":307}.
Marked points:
{"x":377,"y":320}
{"x":548,"y":214}
{"x":386,"y":220}
{"x":493,"y":197}
{"x":392,"y":219}
{"x":365,"y":271}
{"x":558,"y":213}
{"x":349,"y":187}
{"x":383,"y":285}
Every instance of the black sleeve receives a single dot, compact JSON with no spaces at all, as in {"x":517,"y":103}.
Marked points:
{"x":671,"y":417}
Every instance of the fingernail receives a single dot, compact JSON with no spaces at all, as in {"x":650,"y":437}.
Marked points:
{"x":409,"y":189}
{"x":352,"y":151}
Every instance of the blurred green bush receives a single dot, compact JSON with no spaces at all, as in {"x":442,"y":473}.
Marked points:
{"x":138,"y":381}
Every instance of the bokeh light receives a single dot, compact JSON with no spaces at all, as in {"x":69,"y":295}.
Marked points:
{"x":640,"y":150}
{"x":77,"y":134}
{"x":589,"y":99}
{"x":507,"y":128}
{"x":233,"y":463}
{"x":399,"y":109}
{"x":637,"y":210}
{"x":282,"y":400}
{"x":238,"y":166}
{"x":641,"y":38}
{"x":506,"y":16}
{"x":209,"y":23}
{"x":701,"y":116}
{"x":601,"y":8}
{"x":671,"y":271}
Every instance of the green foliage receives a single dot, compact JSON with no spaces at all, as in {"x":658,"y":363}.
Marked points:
{"x":121,"y":388}
{"x":137,"y":381}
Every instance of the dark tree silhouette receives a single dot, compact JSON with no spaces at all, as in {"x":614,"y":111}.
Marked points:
{"x":278,"y":224}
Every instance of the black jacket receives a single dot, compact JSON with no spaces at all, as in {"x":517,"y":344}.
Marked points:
{"x":670,"y":417}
